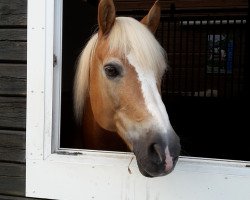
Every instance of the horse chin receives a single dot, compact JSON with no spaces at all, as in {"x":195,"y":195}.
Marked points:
{"x":150,"y":165}
{"x":151,"y":174}
{"x":144,"y":172}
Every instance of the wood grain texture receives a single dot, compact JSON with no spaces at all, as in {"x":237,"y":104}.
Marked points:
{"x":12,"y":112}
{"x":13,"y":13}
{"x":13,"y":79}
{"x":12,"y":179}
{"x":12,"y":155}
{"x":13,"y":34}
{"x":12,"y":146}
{"x":13,"y":47}
{"x":12,"y":139}
{"x":13,"y":50}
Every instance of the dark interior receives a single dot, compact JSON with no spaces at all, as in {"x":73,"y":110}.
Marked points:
{"x":208,"y":109}
{"x":79,"y":23}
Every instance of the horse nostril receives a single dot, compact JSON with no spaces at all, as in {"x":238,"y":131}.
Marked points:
{"x":158,"y":153}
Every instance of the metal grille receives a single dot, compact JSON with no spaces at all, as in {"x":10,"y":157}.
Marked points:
{"x":206,"y":54}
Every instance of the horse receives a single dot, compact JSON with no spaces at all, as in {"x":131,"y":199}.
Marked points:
{"x":117,"y":91}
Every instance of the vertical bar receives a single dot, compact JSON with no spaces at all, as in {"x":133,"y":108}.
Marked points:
{"x":246,"y":79}
{"x":162,"y":31}
{"x":174,"y":56}
{"x":164,"y":85}
{"x":240,"y":57}
{"x":233,"y":59}
{"x":220,"y":61}
{"x":187,"y":55}
{"x":226,"y":72}
{"x":207,"y":54}
{"x":36,"y":62}
{"x":168,"y":33}
{"x":168,"y":49}
{"x":199,"y":60}
{"x":57,"y":75}
{"x":192,"y":65}
{"x":180,"y":57}
{"x":213,"y":61}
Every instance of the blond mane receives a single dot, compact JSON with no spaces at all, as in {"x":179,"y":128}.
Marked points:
{"x":81,"y":83}
{"x":127,"y":36}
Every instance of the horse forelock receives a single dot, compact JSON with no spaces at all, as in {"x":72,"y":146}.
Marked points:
{"x":129,"y":36}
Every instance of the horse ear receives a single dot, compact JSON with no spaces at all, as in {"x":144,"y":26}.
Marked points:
{"x":106,"y":16}
{"x":152,"y":19}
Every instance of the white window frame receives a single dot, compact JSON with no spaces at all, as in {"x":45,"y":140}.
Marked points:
{"x":56,"y":173}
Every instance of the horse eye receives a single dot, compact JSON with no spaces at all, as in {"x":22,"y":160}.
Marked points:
{"x":111,"y":71}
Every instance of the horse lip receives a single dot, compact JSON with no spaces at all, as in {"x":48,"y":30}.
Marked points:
{"x":148,"y":174}
{"x":143,"y":170}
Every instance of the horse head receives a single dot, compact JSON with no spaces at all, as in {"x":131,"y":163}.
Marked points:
{"x":122,"y":67}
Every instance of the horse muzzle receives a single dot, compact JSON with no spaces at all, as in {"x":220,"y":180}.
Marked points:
{"x":157,"y":155}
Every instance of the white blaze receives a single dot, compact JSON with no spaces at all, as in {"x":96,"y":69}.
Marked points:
{"x":151,"y":95}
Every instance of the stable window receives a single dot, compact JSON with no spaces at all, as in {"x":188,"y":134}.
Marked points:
{"x":56,"y":172}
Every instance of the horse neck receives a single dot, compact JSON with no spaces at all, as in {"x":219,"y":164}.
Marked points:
{"x":95,"y":137}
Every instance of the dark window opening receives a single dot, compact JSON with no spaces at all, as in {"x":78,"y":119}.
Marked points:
{"x":79,"y":23}
{"x":205,"y":90}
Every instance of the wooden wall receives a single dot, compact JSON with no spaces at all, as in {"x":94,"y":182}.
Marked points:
{"x":13,"y":45}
